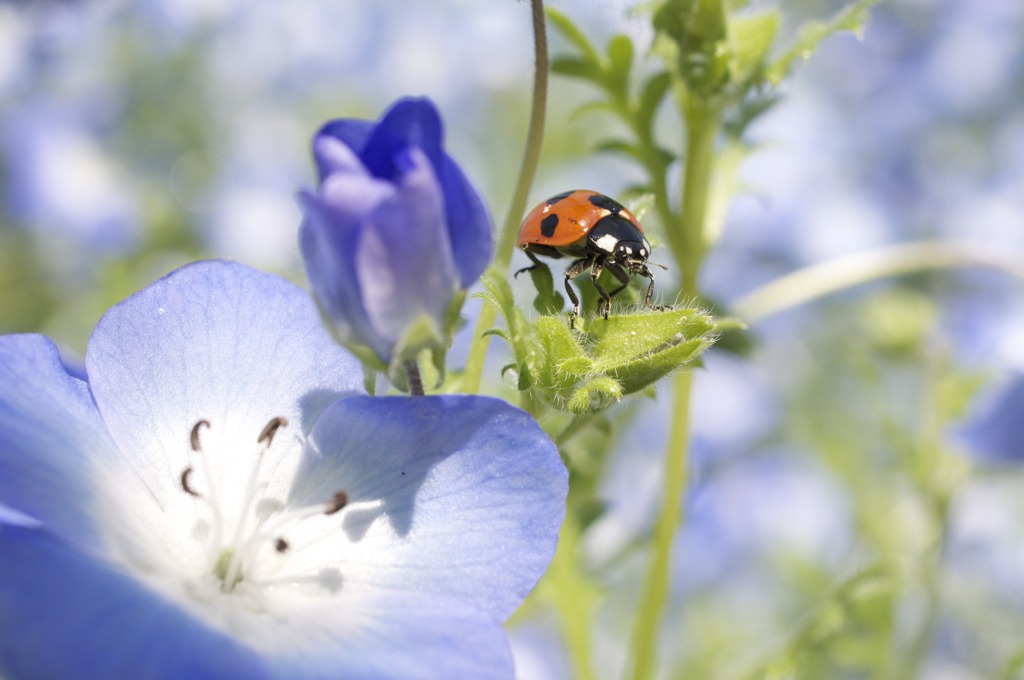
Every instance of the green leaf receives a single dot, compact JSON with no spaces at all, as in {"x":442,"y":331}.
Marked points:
{"x":559,"y":346}
{"x":639,"y":349}
{"x":498,"y":332}
{"x":526,"y":378}
{"x":578,"y":367}
{"x":548,"y":300}
{"x":498,"y":292}
{"x":575,"y":67}
{"x":1013,"y":667}
{"x":369,"y":380}
{"x":646,"y":370}
{"x":570,"y":32}
{"x":651,"y":96}
{"x":620,"y":57}
{"x":625,"y":337}
{"x":518,"y":333}
{"x":810,"y":35}
{"x":594,"y":106}
{"x":593,"y":368}
{"x":638,"y":202}
{"x":847,"y":636}
{"x":724,"y":187}
{"x":755,"y":103}
{"x":620,"y":146}
{"x":453,"y":320}
{"x":751,"y":36}
{"x":594,"y":395}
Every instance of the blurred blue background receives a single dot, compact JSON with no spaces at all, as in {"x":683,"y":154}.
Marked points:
{"x":136,"y":136}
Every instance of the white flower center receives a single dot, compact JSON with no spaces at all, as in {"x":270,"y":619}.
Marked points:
{"x":265,"y":536}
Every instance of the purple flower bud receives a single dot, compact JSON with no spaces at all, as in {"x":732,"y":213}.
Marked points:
{"x":393,"y":232}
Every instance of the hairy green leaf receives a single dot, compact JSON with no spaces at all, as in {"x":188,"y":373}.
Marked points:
{"x":594,"y":395}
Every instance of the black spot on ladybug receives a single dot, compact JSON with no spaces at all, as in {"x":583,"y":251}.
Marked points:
{"x":558,"y":197}
{"x":605,"y":203}
{"x":548,"y":225}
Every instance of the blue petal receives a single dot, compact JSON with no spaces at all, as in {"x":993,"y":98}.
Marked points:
{"x":996,"y":428}
{"x":51,"y":438}
{"x":416,"y":123}
{"x":352,"y":133}
{"x":64,"y":615}
{"x":401,"y":636}
{"x":215,"y":341}
{"x":473,"y":495}
{"x":403,"y":259}
{"x":9,"y":515}
{"x":469,"y":223}
{"x":378,"y":254}
{"x":328,"y":251}
{"x":409,"y":123}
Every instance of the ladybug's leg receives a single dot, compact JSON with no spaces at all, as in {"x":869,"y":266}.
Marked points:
{"x":536,"y":264}
{"x":606,"y":299}
{"x":575,"y":269}
{"x":646,"y":272}
{"x":619,"y":274}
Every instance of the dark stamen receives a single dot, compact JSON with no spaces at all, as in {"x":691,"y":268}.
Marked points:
{"x":270,"y":430}
{"x":281,"y":545}
{"x":339,"y":501}
{"x":195,"y":434}
{"x":185,"y":484}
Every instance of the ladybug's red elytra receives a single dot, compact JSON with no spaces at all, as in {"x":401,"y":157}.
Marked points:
{"x":595,"y":229}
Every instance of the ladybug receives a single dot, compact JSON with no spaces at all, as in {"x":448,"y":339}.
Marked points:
{"x":596,"y":230}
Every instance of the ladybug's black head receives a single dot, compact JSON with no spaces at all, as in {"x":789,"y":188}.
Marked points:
{"x":616,"y":237}
{"x":632,"y":252}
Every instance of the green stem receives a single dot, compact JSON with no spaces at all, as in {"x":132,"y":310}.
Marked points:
{"x":928,"y":471}
{"x":527,"y":169}
{"x":701,"y":130}
{"x":702,"y":122}
{"x":655,"y":593}
{"x":847,"y":271}
{"x":921,"y":644}
{"x":572,"y":599}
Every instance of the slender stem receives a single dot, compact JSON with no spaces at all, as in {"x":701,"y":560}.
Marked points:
{"x":921,"y":644}
{"x":534,"y":139}
{"x":927,"y":469}
{"x":702,"y":122}
{"x":572,"y":599}
{"x":847,"y":271}
{"x":655,"y":593}
{"x":412,"y":373}
{"x":527,"y":169}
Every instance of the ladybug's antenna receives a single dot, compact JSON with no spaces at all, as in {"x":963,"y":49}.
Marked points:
{"x":658,"y":265}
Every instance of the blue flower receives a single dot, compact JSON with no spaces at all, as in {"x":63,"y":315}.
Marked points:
{"x":219,"y":501}
{"x":393,"y":233}
{"x":994,"y":431}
